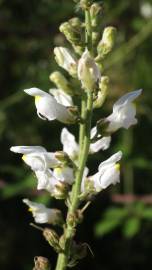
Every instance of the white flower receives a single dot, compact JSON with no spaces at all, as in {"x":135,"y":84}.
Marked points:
{"x":57,"y":187}
{"x":103,"y":144}
{"x":46,"y":180}
{"x":64,"y":174}
{"x":48,"y":108}
{"x":108,"y":173}
{"x":124,"y":112}
{"x":36,"y":157}
{"x":61,"y":97}
{"x":88,"y":71}
{"x":42,"y":214}
{"x":70,"y":145}
{"x":66,"y":60}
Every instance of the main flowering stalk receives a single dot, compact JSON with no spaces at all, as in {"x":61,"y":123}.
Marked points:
{"x":84,"y":141}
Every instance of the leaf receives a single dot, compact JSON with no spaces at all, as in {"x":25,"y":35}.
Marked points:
{"x":19,"y":187}
{"x":105,"y":226}
{"x":115,"y":212}
{"x":147,"y":213}
{"x":131,"y":227}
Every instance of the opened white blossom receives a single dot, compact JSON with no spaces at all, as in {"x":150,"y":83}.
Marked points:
{"x":71,"y":147}
{"x":48,"y":108}
{"x":101,"y":144}
{"x":42,"y":214}
{"x":57,"y":187}
{"x":108,"y":173}
{"x":88,"y":71}
{"x":61,"y":97}
{"x":46,"y":180}
{"x":124,"y":112}
{"x":64,"y":174}
{"x":66,"y":60}
{"x":37,"y":157}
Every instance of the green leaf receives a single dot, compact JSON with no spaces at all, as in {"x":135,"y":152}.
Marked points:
{"x":147,"y":213}
{"x":115,"y":212}
{"x":131,"y":227}
{"x":105,"y":226}
{"x":19,"y":187}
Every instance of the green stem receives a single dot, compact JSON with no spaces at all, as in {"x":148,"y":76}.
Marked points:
{"x":82,"y":126}
{"x":84,"y":142}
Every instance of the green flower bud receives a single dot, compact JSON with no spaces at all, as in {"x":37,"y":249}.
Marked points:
{"x":41,"y":263}
{"x":96,"y":12}
{"x":61,"y":82}
{"x":52,"y":238}
{"x":85,"y":4}
{"x":107,"y":42}
{"x":73,"y":34}
{"x":102,"y":92}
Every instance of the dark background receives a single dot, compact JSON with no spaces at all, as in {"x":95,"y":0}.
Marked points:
{"x":28,"y":33}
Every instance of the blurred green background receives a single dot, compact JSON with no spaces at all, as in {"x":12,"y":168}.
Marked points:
{"x":117,"y":227}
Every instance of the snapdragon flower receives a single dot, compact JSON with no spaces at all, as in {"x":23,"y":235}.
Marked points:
{"x":56,"y":183}
{"x":36,"y":157}
{"x":42,"y":214}
{"x":66,"y":60}
{"x":88,"y":71}
{"x":48,"y":108}
{"x":71,"y":147}
{"x":61,"y":97}
{"x":108,"y":173}
{"x":124,"y":112}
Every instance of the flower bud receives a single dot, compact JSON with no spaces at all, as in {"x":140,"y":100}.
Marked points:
{"x":61,"y":190}
{"x":52,"y":238}
{"x":107,"y":42}
{"x":61,"y":82}
{"x":76,"y":22}
{"x":88,"y":71}
{"x":85,"y":4}
{"x":102,"y":93}
{"x":66,"y":60}
{"x":64,"y":158}
{"x":95,"y":12}
{"x":73,"y":34}
{"x":41,"y":263}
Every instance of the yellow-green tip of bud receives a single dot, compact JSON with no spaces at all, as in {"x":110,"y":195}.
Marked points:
{"x":107,"y":42}
{"x":61,"y":82}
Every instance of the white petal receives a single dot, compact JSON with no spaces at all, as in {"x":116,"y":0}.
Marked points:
{"x":36,"y":92}
{"x":93,"y":132}
{"x":70,"y":145}
{"x":65,"y":59}
{"x":103,"y":180}
{"x":127,"y":98}
{"x":46,"y":180}
{"x":101,"y":144}
{"x":64,"y":174}
{"x":61,"y":97}
{"x":27,"y":149}
{"x":47,"y":107}
{"x":112,"y":160}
